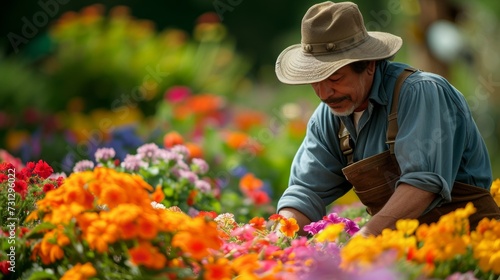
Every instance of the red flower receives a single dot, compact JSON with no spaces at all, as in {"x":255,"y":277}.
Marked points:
{"x":21,"y":187}
{"x":43,"y":170}
{"x":4,"y":267}
{"x":209,"y":214}
{"x":48,"y":187}
{"x":259,"y":197}
{"x":4,"y":166}
{"x":27,"y":171}
{"x":24,"y":230}
{"x":275,"y":217}
{"x":60,"y":180}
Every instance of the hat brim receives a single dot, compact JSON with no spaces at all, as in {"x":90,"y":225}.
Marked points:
{"x":296,"y":67}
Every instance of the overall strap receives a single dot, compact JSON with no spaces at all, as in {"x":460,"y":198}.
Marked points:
{"x":392,"y":127}
{"x":392,"y":120}
{"x":345,"y":143}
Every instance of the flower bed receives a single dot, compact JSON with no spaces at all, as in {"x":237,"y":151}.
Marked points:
{"x":153,"y":216}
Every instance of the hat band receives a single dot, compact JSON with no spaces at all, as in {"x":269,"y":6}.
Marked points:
{"x":333,"y":47}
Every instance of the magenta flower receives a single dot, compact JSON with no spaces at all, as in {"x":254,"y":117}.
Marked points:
{"x":177,"y":94}
{"x":315,"y":227}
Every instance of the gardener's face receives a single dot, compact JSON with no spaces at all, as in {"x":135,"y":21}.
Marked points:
{"x":346,"y":91}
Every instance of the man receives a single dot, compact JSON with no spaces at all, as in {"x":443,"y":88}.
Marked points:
{"x":420,"y":156}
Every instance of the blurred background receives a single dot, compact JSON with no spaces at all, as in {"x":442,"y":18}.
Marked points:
{"x":79,"y":75}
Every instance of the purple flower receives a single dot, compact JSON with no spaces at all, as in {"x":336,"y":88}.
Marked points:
{"x":199,"y":166}
{"x":203,"y":186}
{"x":104,"y":154}
{"x":133,"y":163}
{"x":83,"y":165}
{"x":189,"y":175}
{"x":148,"y":151}
{"x":469,"y":275}
{"x":168,"y":156}
{"x":181,"y":150}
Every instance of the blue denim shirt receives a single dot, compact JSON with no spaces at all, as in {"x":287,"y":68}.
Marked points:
{"x":438,"y":142}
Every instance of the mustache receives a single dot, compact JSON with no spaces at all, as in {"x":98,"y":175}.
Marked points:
{"x":336,"y":99}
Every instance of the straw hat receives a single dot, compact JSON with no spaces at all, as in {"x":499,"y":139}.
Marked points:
{"x":333,"y":35}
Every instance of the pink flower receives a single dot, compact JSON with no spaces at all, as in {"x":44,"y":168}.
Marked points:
{"x":177,"y":94}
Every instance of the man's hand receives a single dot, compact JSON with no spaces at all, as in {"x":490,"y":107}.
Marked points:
{"x":302,"y":220}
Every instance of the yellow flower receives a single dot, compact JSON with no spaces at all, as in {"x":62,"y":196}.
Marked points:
{"x":408,"y":227}
{"x":360,"y":250}
{"x":495,"y":191}
{"x":80,"y":272}
{"x":330,"y":233}
{"x":485,"y":242}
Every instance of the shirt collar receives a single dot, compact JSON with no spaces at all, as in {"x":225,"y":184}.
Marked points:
{"x":377,"y":91}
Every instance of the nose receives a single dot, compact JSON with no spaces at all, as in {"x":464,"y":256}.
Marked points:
{"x":323,"y":90}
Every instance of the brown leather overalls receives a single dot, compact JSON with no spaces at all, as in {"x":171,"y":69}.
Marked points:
{"x":373,"y":179}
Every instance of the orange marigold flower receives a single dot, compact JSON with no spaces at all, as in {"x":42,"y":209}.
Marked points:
{"x":250,"y":183}
{"x":289,"y":227}
{"x":258,"y":223}
{"x":158,"y":195}
{"x":246,"y":263}
{"x":80,"y":272}
{"x":205,"y":103}
{"x":148,"y":225}
{"x":237,"y":140}
{"x":147,"y":255}
{"x":219,"y":270}
{"x":248,"y":119}
{"x":195,"y":150}
{"x":172,"y":138}
{"x":100,"y":233}
{"x":171,"y":220}
{"x":77,"y":194}
{"x":112,"y":195}
{"x":191,"y":245}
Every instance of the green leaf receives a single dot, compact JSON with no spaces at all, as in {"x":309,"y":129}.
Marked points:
{"x":42,"y":275}
{"x":40,"y":228}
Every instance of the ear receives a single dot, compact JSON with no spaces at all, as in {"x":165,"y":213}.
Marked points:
{"x":371,"y":67}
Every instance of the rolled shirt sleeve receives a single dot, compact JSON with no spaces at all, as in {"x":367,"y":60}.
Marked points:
{"x":316,"y":178}
{"x":437,"y":138}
